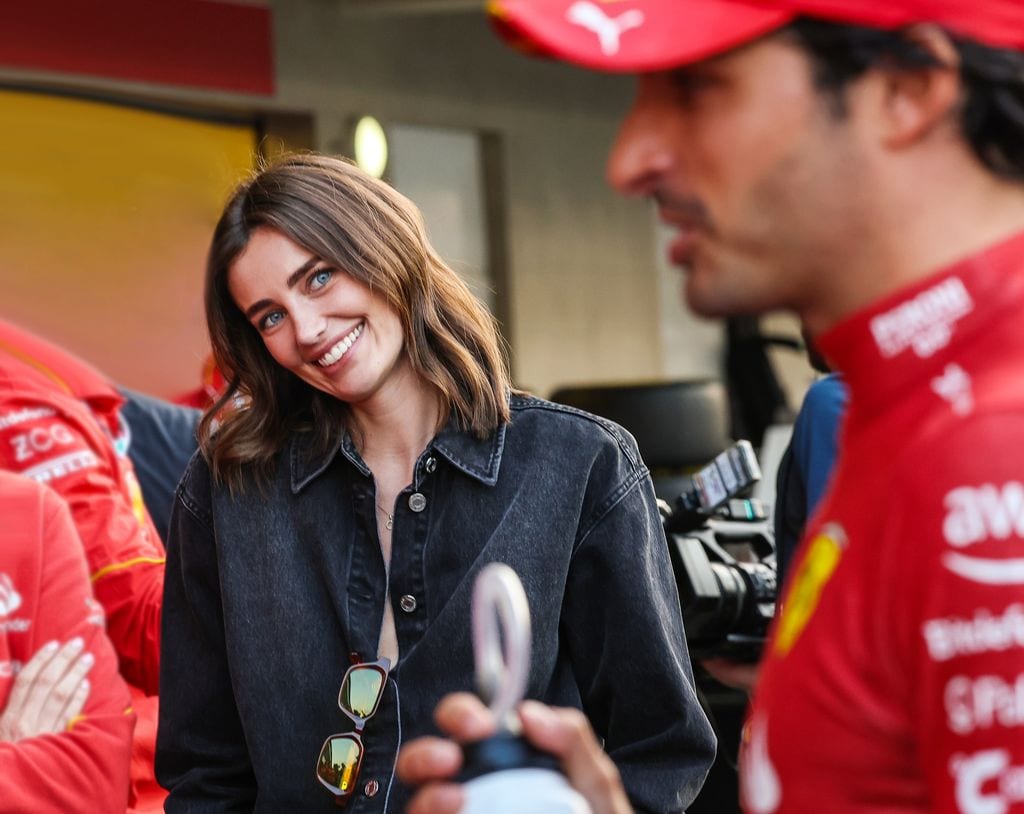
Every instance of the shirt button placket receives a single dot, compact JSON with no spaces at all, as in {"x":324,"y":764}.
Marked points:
{"x":417,"y":503}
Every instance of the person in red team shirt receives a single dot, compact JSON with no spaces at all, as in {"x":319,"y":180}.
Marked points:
{"x":65,"y":740}
{"x":60,"y":425}
{"x":861,"y":164}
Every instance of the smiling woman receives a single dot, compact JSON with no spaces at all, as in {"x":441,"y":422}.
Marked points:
{"x":323,"y":325}
{"x":318,"y":234}
{"x":368,"y":458}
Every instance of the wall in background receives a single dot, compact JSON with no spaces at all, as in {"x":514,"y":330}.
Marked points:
{"x":105,"y":215}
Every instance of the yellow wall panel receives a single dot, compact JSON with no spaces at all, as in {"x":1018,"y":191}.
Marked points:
{"x":106,"y":213}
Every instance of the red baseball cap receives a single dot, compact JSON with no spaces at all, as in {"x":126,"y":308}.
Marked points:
{"x":637,"y":36}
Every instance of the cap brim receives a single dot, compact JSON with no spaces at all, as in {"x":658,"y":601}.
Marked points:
{"x":632,"y":36}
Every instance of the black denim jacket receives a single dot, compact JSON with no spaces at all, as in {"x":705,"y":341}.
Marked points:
{"x":267,"y":595}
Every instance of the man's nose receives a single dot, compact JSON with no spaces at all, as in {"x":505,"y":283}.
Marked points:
{"x":641,"y":154}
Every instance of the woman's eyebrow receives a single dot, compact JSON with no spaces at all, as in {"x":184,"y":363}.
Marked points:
{"x":293,"y":280}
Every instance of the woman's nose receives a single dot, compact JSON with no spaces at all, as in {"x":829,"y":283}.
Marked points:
{"x":310,"y":325}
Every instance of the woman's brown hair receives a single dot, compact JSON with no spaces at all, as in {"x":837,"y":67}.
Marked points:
{"x":364,"y":227}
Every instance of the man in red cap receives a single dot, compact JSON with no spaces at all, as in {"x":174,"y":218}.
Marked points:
{"x":861,"y":164}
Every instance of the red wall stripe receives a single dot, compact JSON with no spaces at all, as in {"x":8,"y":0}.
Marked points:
{"x":210,"y":44}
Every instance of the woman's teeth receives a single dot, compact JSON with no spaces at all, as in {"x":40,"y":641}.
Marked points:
{"x":339,"y":350}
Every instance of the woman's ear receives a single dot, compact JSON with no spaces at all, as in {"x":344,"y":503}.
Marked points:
{"x":916,"y":101}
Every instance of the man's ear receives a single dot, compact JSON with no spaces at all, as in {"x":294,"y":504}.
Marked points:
{"x":918,"y":100}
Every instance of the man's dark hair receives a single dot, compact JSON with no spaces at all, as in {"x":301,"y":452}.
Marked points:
{"x":992,"y":111}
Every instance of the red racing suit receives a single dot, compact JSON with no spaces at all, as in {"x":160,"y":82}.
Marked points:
{"x":45,"y":596}
{"x":59,"y":425}
{"x":894,"y":677}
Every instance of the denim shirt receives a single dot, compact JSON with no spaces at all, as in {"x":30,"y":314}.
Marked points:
{"x":269,"y":595}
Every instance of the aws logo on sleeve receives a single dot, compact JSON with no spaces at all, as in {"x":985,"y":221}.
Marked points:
{"x":977,"y":514}
{"x":819,"y":562}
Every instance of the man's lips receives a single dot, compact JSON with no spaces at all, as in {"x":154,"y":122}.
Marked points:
{"x":689,"y":220}
{"x":682,"y":245}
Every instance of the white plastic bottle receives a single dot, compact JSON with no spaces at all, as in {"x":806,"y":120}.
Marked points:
{"x":504,"y":775}
{"x":522,"y":791}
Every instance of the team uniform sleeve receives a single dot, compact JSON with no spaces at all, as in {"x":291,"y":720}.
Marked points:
{"x":124,"y":553}
{"x":622,"y":625}
{"x":960,"y":542}
{"x":202,"y":758}
{"x":85,"y":768}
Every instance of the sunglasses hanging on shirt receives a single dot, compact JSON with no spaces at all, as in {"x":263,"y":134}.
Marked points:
{"x":362,"y":688}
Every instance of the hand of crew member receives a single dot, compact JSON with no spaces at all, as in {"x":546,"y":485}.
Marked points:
{"x":734,"y":674}
{"x":565,"y":733}
{"x":48,"y":693}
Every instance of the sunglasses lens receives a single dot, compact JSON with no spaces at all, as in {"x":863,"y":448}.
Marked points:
{"x":361,"y":690}
{"x":339,"y":763}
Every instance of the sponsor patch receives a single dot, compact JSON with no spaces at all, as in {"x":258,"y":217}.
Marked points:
{"x":924,"y":323}
{"x":984,"y":632}
{"x":10,"y":599}
{"x":986,"y":570}
{"x":985,"y":782}
{"x":978,"y":513}
{"x":15,"y":417}
{"x":982,"y":702}
{"x":40,"y":441}
{"x":954,"y":385}
{"x":820,"y":561}
{"x":62,"y":465}
{"x":45,"y":450}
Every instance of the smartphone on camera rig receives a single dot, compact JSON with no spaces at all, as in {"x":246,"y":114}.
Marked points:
{"x":723,"y":555}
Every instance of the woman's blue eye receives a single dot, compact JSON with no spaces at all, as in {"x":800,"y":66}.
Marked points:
{"x":270,"y":320}
{"x":319,"y":278}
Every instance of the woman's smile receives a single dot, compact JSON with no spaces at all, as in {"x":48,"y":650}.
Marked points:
{"x":341,"y":349}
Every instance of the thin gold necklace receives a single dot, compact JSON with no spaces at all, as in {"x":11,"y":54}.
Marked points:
{"x":390,"y":517}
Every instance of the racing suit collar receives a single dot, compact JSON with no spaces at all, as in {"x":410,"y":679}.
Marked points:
{"x":917,"y":332}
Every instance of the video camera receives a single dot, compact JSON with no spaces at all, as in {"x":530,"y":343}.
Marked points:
{"x":723,"y":556}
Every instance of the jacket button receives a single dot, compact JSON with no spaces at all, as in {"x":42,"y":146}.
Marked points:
{"x":417,"y":502}
{"x":371,"y":788}
{"x":407,"y":603}
{"x":431,"y":464}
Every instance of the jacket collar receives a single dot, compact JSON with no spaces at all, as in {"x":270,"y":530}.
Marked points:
{"x":478,"y":458}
